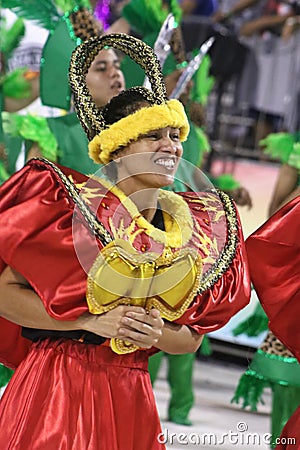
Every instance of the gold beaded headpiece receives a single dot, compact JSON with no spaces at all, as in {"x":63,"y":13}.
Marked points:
{"x":104,"y":138}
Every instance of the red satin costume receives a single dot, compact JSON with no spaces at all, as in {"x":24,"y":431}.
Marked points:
{"x":274,"y":259}
{"x":64,"y":394}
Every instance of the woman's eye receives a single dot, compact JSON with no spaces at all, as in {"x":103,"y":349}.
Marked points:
{"x":175,"y":136}
{"x":151,"y":136}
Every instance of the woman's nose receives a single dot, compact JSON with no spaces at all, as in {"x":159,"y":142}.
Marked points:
{"x":113,"y":71}
{"x":168,"y":145}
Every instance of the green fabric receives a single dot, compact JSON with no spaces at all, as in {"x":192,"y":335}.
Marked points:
{"x":15,"y":84}
{"x":180,"y":379}
{"x":250,"y":390}
{"x":154,"y":363}
{"x":146,"y":18}
{"x":54,"y":82}
{"x":4,"y":175}
{"x":134,"y":75}
{"x":278,"y":145}
{"x":225,"y":182}
{"x":61,"y":139}
{"x":294,"y":157}
{"x":13,"y":147}
{"x":266,"y":370}
{"x":32,"y":128}
{"x":276,"y":369}
{"x":205,"y":348}
{"x":10,"y":38}
{"x":254,"y":325}
{"x":5,"y":375}
{"x":203,"y":82}
{"x":286,"y":400}
{"x":72,"y":144}
{"x":283,"y":146}
{"x":13,"y":150}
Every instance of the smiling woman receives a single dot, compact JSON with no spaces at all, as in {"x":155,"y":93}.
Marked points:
{"x":156,"y":151}
{"x":131,"y":269}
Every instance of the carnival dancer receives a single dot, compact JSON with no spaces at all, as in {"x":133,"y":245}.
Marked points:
{"x":99,"y":273}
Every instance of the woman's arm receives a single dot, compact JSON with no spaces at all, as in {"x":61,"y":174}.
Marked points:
{"x":260,"y":24}
{"x":172,"y":338}
{"x":21,"y":305}
{"x":177,"y":339}
{"x":285,"y":188}
{"x":236,"y":8}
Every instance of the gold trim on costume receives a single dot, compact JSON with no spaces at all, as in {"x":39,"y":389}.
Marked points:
{"x":223,"y":262}
{"x":178,"y":219}
{"x":93,"y":222}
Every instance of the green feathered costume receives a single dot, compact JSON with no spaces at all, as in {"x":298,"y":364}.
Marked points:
{"x":60,"y":139}
{"x":12,"y":85}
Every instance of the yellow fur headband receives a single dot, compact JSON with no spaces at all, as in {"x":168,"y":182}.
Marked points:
{"x":128,"y":129}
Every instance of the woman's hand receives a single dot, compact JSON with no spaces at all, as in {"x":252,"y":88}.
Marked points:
{"x":141,"y":328}
{"x":129,"y":323}
{"x":241,"y":196}
{"x":133,"y":324}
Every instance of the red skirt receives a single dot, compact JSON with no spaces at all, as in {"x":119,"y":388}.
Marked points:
{"x":70,"y":396}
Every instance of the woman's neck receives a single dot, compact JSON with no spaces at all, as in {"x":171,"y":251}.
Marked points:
{"x":145,"y":199}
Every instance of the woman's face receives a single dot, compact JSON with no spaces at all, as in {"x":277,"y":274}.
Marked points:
{"x":152,"y":161}
{"x":105,"y":78}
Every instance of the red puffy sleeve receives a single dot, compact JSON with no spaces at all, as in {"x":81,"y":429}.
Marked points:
{"x":36,"y":240}
{"x":229,"y":291}
{"x":274,"y":259}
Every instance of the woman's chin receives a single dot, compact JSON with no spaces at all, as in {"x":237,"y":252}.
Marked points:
{"x":167,"y":179}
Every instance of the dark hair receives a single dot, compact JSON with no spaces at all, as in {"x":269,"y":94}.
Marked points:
{"x":126,"y":103}
{"x":110,"y":171}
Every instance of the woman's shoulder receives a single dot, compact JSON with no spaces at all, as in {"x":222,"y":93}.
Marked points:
{"x":214,"y":202}
{"x":57,"y":171}
{"x":39,"y":177}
